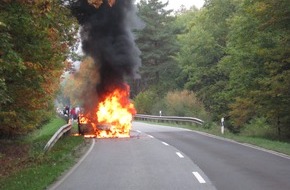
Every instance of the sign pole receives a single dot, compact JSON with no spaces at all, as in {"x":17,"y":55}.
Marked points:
{"x":222,"y":127}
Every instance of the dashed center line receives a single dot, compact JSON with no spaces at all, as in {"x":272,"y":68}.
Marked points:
{"x":165,"y":143}
{"x":198,"y":177}
{"x":196,"y":174}
{"x":179,"y":154}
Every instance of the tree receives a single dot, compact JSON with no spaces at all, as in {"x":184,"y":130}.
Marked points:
{"x":81,"y":85}
{"x":184,"y":103}
{"x":202,"y":46}
{"x":35,"y":40}
{"x":157,"y":44}
{"x":259,"y":59}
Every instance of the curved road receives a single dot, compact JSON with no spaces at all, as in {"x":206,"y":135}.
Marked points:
{"x":159,"y":157}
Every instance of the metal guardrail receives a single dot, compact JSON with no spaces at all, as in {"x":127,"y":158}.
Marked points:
{"x":64,"y":129}
{"x":168,"y":118}
{"x":61,"y":131}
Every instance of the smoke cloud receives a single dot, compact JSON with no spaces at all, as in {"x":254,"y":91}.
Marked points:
{"x":106,"y":34}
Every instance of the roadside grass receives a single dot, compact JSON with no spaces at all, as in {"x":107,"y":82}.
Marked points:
{"x":38,"y":170}
{"x":46,"y":131}
{"x":274,"y":145}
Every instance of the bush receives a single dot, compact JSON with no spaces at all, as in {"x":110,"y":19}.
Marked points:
{"x":144,"y":102}
{"x":258,"y":127}
{"x":177,"y":103}
{"x":184,"y":103}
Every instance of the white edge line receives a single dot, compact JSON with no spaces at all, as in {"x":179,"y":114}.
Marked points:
{"x":279,"y":154}
{"x":150,"y":136}
{"x":244,"y":144}
{"x":179,"y":154}
{"x":165,"y":143}
{"x":198,"y":177}
{"x":73,"y":168}
{"x":138,"y":131}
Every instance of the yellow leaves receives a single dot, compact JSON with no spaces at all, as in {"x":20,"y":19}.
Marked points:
{"x":261,"y":7}
{"x":53,"y":34}
{"x":184,"y":103}
{"x":111,"y":2}
{"x":84,"y":82}
{"x":35,"y":44}
{"x":38,"y":6}
{"x":98,"y":3}
{"x":183,"y":98}
{"x":54,"y":38}
{"x":242,"y":110}
{"x":64,"y":47}
{"x":45,"y":6}
{"x":42,"y":6}
{"x":44,"y":75}
{"x":33,"y":66}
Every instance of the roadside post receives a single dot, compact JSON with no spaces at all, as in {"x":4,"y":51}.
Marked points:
{"x":222,"y":127}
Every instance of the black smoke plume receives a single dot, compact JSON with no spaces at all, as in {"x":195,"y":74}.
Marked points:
{"x":106,"y":34}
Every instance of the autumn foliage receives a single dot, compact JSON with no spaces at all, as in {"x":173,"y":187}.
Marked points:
{"x":82,"y":85}
{"x":184,"y":103}
{"x":98,"y":3}
{"x":34,"y":41}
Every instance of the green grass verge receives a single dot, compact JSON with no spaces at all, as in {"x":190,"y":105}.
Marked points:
{"x":46,"y":131}
{"x":278,"y":146}
{"x":40,"y":170}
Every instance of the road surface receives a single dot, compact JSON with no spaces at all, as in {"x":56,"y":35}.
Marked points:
{"x":159,"y":157}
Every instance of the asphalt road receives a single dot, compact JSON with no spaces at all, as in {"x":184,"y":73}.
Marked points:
{"x":228,"y":165}
{"x":158,"y":157}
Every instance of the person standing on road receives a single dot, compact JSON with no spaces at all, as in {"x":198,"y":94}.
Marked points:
{"x":73,"y":114}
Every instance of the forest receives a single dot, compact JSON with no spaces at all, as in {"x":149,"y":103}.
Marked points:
{"x":230,"y":59}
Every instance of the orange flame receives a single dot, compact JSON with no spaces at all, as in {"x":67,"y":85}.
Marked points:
{"x":83,"y":119}
{"x":115,"y":114}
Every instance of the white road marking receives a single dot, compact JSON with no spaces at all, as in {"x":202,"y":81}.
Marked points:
{"x":151,"y":136}
{"x":165,"y":143}
{"x":138,"y":131}
{"x":244,"y":144}
{"x":198,"y":177}
{"x":54,"y":186}
{"x":179,"y":154}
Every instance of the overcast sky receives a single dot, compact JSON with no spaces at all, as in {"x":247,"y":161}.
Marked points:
{"x":175,"y":4}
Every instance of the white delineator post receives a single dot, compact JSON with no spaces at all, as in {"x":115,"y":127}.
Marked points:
{"x":222,"y":127}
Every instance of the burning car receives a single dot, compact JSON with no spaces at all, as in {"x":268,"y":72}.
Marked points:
{"x":107,"y":37}
{"x":112,"y":117}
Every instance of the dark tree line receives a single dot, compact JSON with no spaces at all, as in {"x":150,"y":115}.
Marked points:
{"x":233,"y":54}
